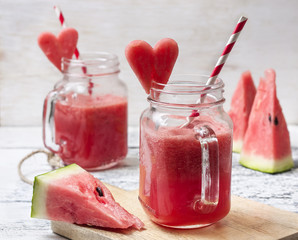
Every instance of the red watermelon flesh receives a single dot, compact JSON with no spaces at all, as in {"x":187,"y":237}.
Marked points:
{"x":241,"y":104}
{"x":140,"y":56}
{"x":152,"y":63}
{"x":165,"y":55}
{"x":266,"y":145}
{"x":55,"y":48}
{"x":73,"y":195}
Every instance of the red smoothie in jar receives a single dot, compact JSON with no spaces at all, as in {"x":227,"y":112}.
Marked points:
{"x":92,"y":131}
{"x":170,"y":174}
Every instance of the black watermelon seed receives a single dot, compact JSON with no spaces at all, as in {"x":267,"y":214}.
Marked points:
{"x":100,"y":193}
{"x":269,"y":117}
{"x":275,"y":121}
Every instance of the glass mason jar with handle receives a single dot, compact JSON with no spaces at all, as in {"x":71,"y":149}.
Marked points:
{"x":185,"y":153}
{"x":85,"y":115}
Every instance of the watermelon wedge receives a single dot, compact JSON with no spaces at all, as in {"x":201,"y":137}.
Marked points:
{"x":73,"y":195}
{"x":152,"y":63}
{"x":241,"y":104}
{"x":266,"y":145}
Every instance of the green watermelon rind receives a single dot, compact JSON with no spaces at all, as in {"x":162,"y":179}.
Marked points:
{"x":266,"y":165}
{"x":237,"y":146}
{"x":38,"y":207}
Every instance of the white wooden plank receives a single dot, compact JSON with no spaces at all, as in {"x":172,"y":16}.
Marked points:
{"x":17,"y":224}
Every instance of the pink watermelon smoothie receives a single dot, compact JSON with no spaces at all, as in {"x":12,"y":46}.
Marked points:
{"x":92,"y":130}
{"x":170,"y":175}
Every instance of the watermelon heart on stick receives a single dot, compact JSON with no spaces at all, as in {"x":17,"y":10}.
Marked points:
{"x":150,"y":63}
{"x":55,"y":48}
{"x":73,"y":195}
{"x":241,"y":105}
{"x":266,"y":145}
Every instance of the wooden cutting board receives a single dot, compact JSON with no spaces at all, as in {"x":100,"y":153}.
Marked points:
{"x":246,"y":220}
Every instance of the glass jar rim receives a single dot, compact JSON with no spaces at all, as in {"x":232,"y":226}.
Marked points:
{"x":177,"y":84}
{"x":102,"y":62}
{"x":186,"y":85}
{"x":93,"y":58}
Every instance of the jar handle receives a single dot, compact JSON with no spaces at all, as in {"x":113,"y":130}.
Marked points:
{"x":48,"y":123}
{"x":210,"y":170}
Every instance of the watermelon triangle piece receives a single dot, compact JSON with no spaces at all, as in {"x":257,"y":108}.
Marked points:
{"x":266,"y":145}
{"x":241,"y":104}
{"x":73,"y":195}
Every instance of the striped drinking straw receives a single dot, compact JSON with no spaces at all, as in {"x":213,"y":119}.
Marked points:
{"x":221,"y":61}
{"x":76,"y":52}
{"x":63,"y":24}
{"x":229,"y":46}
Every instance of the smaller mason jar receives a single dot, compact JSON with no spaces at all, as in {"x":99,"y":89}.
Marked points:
{"x":185,"y":153}
{"x":85,"y":115}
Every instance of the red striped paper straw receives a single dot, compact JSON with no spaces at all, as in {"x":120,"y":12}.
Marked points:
{"x":223,"y":58}
{"x":76,"y":52}
{"x":63,"y":24}
{"x":229,"y":46}
{"x":221,"y":61}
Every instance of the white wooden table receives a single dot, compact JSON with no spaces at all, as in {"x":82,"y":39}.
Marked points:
{"x":279,"y":190}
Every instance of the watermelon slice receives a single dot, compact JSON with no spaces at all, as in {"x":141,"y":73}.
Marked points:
{"x":152,"y":63}
{"x":266,"y":145}
{"x":241,"y":104}
{"x":71,"y":194}
{"x":55,"y":48}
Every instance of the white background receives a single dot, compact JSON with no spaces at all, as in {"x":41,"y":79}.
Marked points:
{"x":201,"y":28}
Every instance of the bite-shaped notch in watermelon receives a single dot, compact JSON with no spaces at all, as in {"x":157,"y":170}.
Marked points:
{"x":73,"y":195}
{"x":241,"y":105}
{"x":266,"y":145}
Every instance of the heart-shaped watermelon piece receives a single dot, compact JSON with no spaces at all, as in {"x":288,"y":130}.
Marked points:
{"x":55,"y":48}
{"x":140,"y":57}
{"x":152,"y":63}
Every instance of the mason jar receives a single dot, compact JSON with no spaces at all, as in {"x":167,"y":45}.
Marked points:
{"x":185,"y":153}
{"x":85,"y":115}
